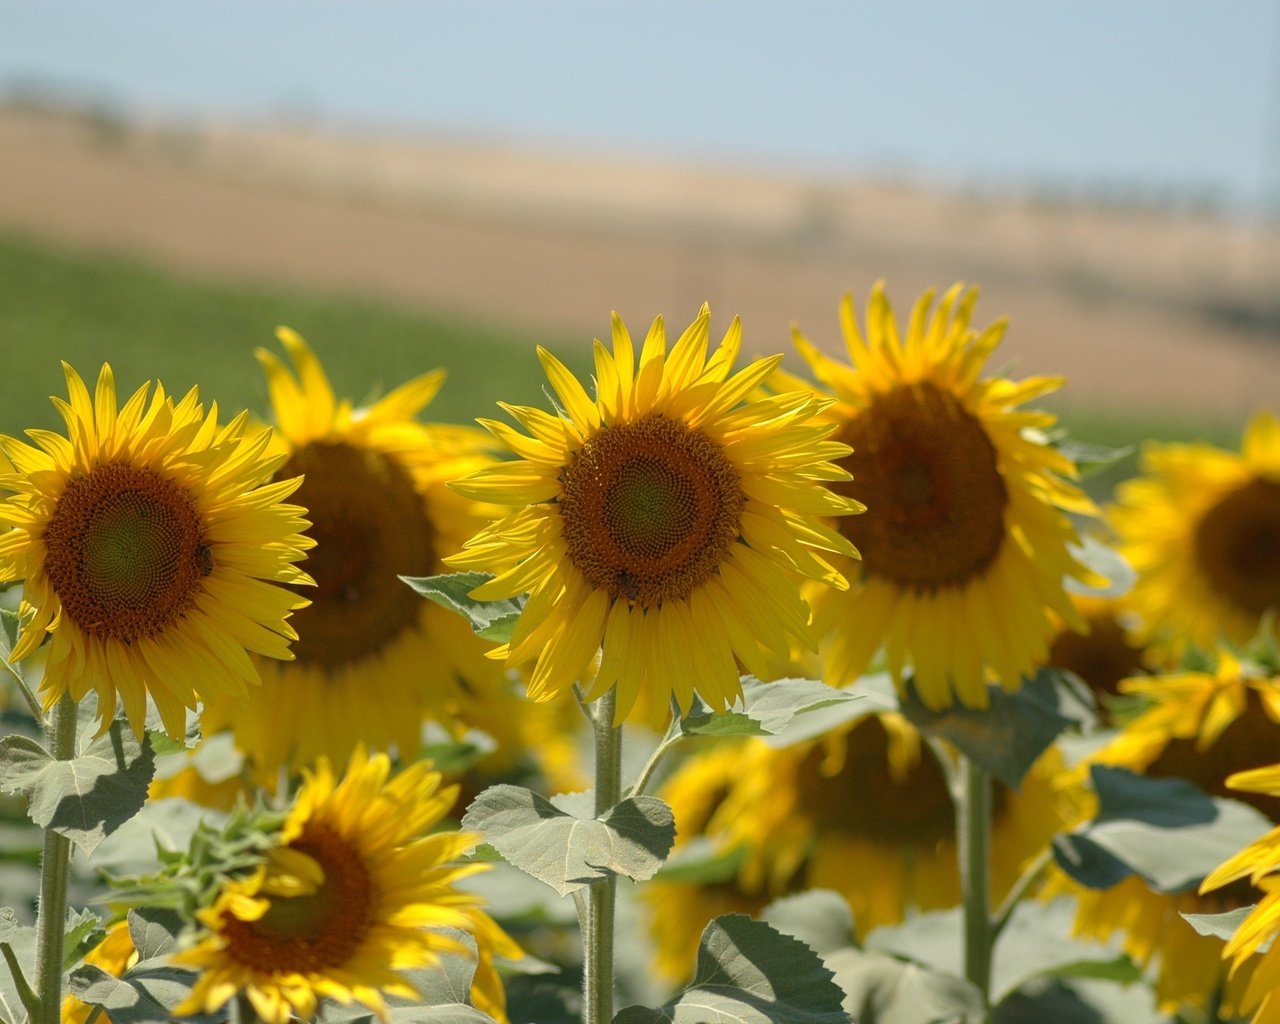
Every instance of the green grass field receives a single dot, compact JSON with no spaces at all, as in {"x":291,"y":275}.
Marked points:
{"x":57,"y":304}
{"x":147,"y":323}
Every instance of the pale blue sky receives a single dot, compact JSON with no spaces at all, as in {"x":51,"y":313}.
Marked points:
{"x":1167,"y":93}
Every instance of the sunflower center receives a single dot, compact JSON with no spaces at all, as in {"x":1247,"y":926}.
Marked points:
{"x":124,"y":552}
{"x":1237,"y":546}
{"x":867,"y":800}
{"x":370,"y":526}
{"x":1101,"y":658}
{"x":927,"y":472}
{"x":649,"y":509}
{"x":1248,"y":742}
{"x":314,"y":933}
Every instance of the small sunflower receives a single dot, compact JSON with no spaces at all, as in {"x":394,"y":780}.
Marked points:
{"x":372,"y":659}
{"x":865,"y":801}
{"x":965,"y":544}
{"x":1205,"y":728}
{"x":354,"y":893}
{"x":150,"y":544}
{"x":1202,"y":531}
{"x":665,"y":520}
{"x":1257,"y":976}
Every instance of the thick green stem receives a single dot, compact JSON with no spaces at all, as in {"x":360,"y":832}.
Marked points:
{"x":973,"y":841}
{"x":55,"y":871}
{"x":597,"y":937}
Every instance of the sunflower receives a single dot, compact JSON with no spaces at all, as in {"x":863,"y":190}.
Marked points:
{"x":1205,"y":728}
{"x":1258,"y":862}
{"x":150,"y":542}
{"x":372,"y":660}
{"x":865,"y":801}
{"x":1202,"y":531}
{"x":353,"y":894}
{"x":665,"y":520}
{"x":1102,"y":656}
{"x":965,"y":545}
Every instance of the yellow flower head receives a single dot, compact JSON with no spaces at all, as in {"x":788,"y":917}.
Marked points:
{"x":965,"y":544}
{"x":1205,"y":728}
{"x":664,"y":520}
{"x":1102,"y":656}
{"x":1202,"y":530}
{"x":1259,"y":979}
{"x":373,"y":659}
{"x":150,"y":543}
{"x":354,"y":893}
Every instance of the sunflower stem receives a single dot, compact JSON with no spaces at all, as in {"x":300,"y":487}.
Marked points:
{"x":597,"y":937}
{"x":55,"y":872}
{"x":672,"y":737}
{"x":973,"y":841}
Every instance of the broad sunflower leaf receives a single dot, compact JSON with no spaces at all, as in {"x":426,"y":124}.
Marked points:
{"x":1164,"y":830}
{"x":1007,"y":737}
{"x":449,"y":980}
{"x":84,"y":931}
{"x":1220,"y":926}
{"x":702,"y":861}
{"x":146,"y":994}
{"x":1035,"y":943}
{"x":88,"y":797}
{"x":750,"y":973}
{"x":1091,"y":459}
{"x":154,"y":931}
{"x":492,"y":620}
{"x":819,"y":918}
{"x":21,"y":939}
{"x":886,"y":990}
{"x":567,"y":852}
{"x":766,"y":708}
{"x":1107,"y":562}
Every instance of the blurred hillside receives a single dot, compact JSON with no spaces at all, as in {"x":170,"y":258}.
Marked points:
{"x":1145,"y":310}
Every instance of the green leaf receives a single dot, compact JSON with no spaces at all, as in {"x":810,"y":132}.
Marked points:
{"x":819,"y":918}
{"x":84,"y":931}
{"x":452,"y":1013}
{"x":1007,"y":737}
{"x":22,"y":941}
{"x":767,"y":708}
{"x":750,"y":973}
{"x":154,"y":931}
{"x":1107,"y":563}
{"x":448,"y":981}
{"x":1091,"y":459}
{"x":8,"y":923}
{"x":88,"y":797}
{"x":1034,"y":943}
{"x":702,"y":861}
{"x":886,"y":990}
{"x":1223,"y":926}
{"x":1166,"y":831}
{"x":492,"y":620}
{"x":146,"y":994}
{"x":567,"y":852}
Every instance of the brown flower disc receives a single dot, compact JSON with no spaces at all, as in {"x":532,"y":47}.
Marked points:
{"x":1237,"y":546}
{"x":371,"y":527}
{"x":317,"y":932}
{"x":124,"y":552}
{"x":650,"y":509}
{"x":927,"y":472}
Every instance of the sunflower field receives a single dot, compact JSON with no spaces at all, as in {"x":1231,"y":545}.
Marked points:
{"x":704,"y":689}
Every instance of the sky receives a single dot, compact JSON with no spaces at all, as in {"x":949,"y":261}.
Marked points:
{"x":1165,"y":96}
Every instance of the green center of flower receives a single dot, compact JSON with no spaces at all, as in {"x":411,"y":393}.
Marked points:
{"x":649,"y":509}
{"x":371,"y":526}
{"x":1237,"y":546}
{"x":124,"y":552}
{"x":315,"y":933}
{"x":927,"y":472}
